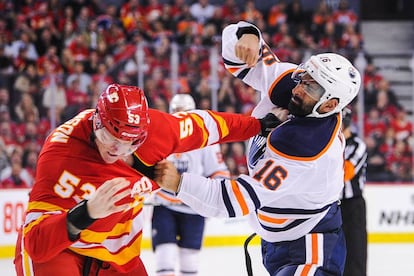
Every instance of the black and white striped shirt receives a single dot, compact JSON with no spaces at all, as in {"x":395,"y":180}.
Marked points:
{"x":356,"y":154}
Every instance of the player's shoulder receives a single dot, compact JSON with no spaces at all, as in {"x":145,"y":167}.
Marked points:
{"x":304,"y":138}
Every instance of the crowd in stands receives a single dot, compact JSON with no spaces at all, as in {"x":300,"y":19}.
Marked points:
{"x":57,"y":56}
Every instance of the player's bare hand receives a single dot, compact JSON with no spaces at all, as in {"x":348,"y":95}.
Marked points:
{"x":103,"y":202}
{"x":247,"y":49}
{"x":280,"y":113}
{"x":167,"y":176}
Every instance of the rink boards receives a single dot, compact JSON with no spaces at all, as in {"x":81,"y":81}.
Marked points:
{"x":390,"y":217}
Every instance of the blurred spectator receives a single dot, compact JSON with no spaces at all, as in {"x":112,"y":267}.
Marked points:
{"x":15,"y":173}
{"x":400,"y":161}
{"x":297,"y":17}
{"x":23,"y":44}
{"x":4,"y":158}
{"x":6,"y":62}
{"x":250,"y":13}
{"x":55,"y":96}
{"x":374,"y":125}
{"x":377,"y":169}
{"x":14,"y":180}
{"x":386,"y":105}
{"x":275,"y":17}
{"x":321,"y":17}
{"x":402,"y":127}
{"x":30,"y":157}
{"x":76,"y":98}
{"x":26,"y":107}
{"x":371,"y":80}
{"x":202,"y":11}
{"x":344,"y":15}
{"x":4,"y":97}
{"x":239,"y":157}
{"x":27,"y":82}
{"x":226,"y":96}
{"x":328,"y":38}
{"x":103,"y":37}
{"x":83,"y":78}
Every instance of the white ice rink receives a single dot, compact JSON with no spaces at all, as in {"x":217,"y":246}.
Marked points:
{"x":383,"y":260}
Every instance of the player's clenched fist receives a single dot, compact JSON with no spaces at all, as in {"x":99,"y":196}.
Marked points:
{"x":247,"y":49}
{"x":167,"y":176}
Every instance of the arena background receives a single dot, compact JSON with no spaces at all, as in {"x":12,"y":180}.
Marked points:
{"x":387,"y":28}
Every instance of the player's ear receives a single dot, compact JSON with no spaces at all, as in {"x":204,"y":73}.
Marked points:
{"x":329,"y":105}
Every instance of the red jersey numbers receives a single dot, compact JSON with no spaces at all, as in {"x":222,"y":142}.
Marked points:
{"x":66,"y":187}
{"x":271,"y":175}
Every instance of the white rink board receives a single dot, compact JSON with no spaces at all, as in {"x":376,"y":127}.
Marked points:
{"x":390,"y":209}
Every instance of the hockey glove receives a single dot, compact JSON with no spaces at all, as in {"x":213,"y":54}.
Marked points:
{"x":77,"y":220}
{"x":268,"y":123}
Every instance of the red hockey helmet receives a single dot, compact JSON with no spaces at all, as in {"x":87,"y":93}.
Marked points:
{"x":123,"y":111}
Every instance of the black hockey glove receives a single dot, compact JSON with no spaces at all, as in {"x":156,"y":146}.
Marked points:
{"x":77,"y":220}
{"x":268,"y":123}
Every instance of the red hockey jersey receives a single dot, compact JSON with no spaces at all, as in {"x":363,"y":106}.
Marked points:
{"x":70,"y":169}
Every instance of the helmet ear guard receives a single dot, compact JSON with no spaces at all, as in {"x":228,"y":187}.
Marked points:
{"x":123,"y":111}
{"x":340,"y":79}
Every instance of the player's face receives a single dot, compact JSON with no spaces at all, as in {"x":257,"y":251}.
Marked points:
{"x":112,"y":148}
{"x":305,"y":95}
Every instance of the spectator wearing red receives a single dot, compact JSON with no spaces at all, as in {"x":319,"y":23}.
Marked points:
{"x":400,"y":161}
{"x":344,"y":15}
{"x":230,"y":11}
{"x":79,"y":48}
{"x":402,"y":127}
{"x":374,"y":124}
{"x":14,"y":181}
{"x":41,"y":16}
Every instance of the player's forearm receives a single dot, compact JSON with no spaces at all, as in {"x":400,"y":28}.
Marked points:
{"x":236,"y":127}
{"x":203,"y":195}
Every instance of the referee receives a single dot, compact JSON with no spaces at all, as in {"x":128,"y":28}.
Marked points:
{"x":353,"y":202}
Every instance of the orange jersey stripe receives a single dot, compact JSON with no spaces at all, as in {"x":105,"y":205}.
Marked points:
{"x":272,"y":220}
{"x":239,"y":197}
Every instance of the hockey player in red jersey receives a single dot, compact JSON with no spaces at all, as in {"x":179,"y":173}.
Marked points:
{"x":84,"y":215}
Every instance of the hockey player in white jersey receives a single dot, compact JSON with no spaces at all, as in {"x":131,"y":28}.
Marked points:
{"x":292,"y":194}
{"x":177,"y":230}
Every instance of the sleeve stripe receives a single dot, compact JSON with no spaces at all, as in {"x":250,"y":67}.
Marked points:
{"x":251,"y":192}
{"x":222,"y":125}
{"x":243,"y":73}
{"x":239,"y":197}
{"x":231,"y":63}
{"x":227,"y":200}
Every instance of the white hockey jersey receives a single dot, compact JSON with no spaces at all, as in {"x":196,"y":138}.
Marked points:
{"x":296,"y":179}
{"x":207,"y":162}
